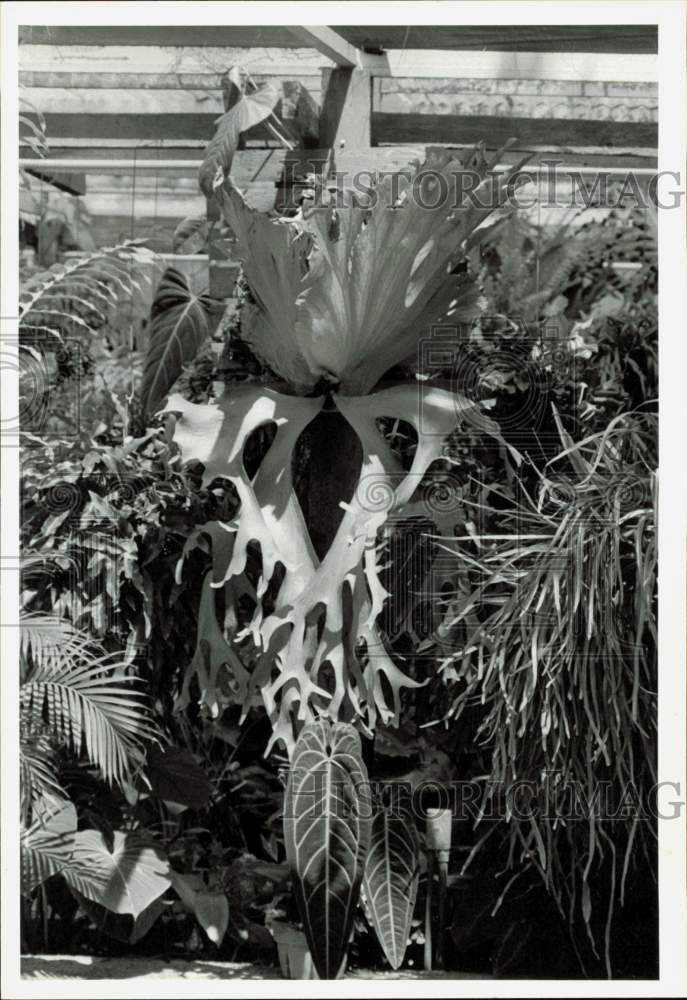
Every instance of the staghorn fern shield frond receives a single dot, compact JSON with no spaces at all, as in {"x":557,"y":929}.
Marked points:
{"x":344,"y":294}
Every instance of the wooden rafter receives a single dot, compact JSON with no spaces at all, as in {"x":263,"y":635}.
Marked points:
{"x":331,"y":44}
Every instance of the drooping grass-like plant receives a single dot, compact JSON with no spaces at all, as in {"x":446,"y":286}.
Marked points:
{"x":554,"y":626}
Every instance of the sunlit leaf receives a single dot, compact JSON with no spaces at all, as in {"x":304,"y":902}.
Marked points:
{"x":247,"y":110}
{"x":326,"y":834}
{"x":392,"y":872}
{"x":125,"y":880}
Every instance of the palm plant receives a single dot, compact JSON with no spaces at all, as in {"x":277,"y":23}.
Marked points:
{"x":75,"y":695}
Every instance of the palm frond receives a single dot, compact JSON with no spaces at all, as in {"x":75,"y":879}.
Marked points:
{"x":74,"y":690}
{"x":85,"y":295}
{"x":38,"y":772}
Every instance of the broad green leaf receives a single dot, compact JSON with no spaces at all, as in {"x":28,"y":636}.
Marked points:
{"x":327,"y":813}
{"x":247,"y":110}
{"x":125,"y":880}
{"x":48,"y":844}
{"x":179,"y":323}
{"x":212,"y":913}
{"x":187,"y":887}
{"x":391,"y":878}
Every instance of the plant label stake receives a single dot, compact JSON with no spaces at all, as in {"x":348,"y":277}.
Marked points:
{"x":438,"y":849}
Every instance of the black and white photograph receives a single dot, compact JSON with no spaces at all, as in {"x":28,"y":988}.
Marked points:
{"x":342,"y":354}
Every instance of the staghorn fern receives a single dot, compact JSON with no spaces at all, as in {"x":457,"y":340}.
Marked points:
{"x":339,"y":297}
{"x":74,"y":694}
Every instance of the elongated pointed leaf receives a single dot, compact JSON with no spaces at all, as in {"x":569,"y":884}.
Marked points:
{"x":392,"y":872}
{"x":179,"y":325}
{"x":212,"y":913}
{"x":326,"y":834}
{"x":48,"y":844}
{"x":125,"y":880}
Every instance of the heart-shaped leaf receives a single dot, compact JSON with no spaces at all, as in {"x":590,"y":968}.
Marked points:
{"x":179,"y":323}
{"x":125,"y":880}
{"x":175,"y":776}
{"x":392,"y":872}
{"x":246,"y":111}
{"x":327,"y":814}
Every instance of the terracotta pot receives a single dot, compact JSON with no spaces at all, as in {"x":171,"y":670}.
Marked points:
{"x":295,"y":960}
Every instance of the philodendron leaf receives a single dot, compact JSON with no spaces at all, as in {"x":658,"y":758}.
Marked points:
{"x":392,"y":872}
{"x":326,"y":834}
{"x":179,"y":323}
{"x":247,"y":110}
{"x":47,"y":845}
{"x":212,"y":913}
{"x":125,"y":880}
{"x":211,"y":909}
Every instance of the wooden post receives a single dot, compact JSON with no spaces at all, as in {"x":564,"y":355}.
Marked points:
{"x":346,"y":115}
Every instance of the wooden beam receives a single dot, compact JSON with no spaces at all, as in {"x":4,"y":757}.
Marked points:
{"x":241,"y":35}
{"x":495,"y":65}
{"x":330,"y":43}
{"x":177,"y":59}
{"x":182,"y":62}
{"x":106,"y":80}
{"x":510,"y":37}
{"x":396,"y":128}
{"x":251,"y":166}
{"x":346,"y":113}
{"x":152,"y":127}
